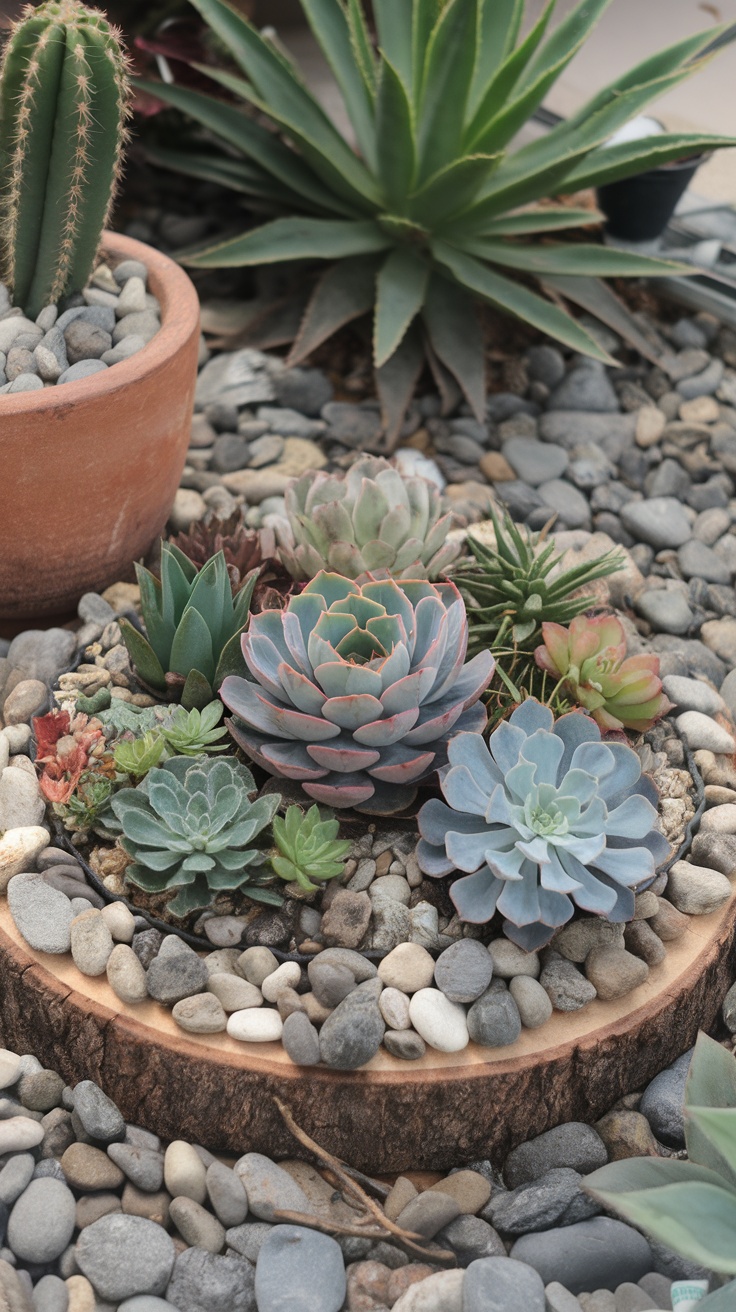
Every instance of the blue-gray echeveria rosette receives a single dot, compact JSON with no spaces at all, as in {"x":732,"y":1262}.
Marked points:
{"x":543,"y":818}
{"x":357,"y":688}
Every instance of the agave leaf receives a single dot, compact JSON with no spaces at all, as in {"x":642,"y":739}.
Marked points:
{"x":550,"y":219}
{"x":451,"y":320}
{"x":717,"y":1126}
{"x":345,"y":292}
{"x":255,"y":141}
{"x":291,"y":239}
{"x":723,"y":1300}
{"x":446,"y":79}
{"x":499,"y":88}
{"x":565,"y":40}
{"x":396,"y":144}
{"x":160,"y":626}
{"x":444,"y":381}
{"x":450,"y":190}
{"x":698,"y":1220}
{"x":517,"y":300}
{"x":143,"y":656}
{"x":329,"y":23}
{"x":231,"y":661}
{"x":601,"y":301}
{"x":192,"y":647}
{"x":609,"y":163}
{"x":238,"y":175}
{"x":577,"y":259}
{"x":402,"y":283}
{"x":711,"y":1082}
{"x":499,"y":22}
{"x":393,"y":23}
{"x":395,"y":383}
{"x":361,"y":45}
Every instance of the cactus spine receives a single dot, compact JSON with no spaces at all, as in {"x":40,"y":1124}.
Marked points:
{"x":64,"y":102}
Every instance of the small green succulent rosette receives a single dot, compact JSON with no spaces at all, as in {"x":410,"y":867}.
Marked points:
{"x":189,"y":827}
{"x":308,"y":848}
{"x":543,"y":818}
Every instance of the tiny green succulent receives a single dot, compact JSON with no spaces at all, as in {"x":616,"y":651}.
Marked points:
{"x":193,"y":626}
{"x":689,"y":1206}
{"x":135,"y":757}
{"x":194,"y":733}
{"x":309,"y":847}
{"x":188,"y":827}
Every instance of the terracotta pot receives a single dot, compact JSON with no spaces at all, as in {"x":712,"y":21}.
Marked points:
{"x":90,"y":469}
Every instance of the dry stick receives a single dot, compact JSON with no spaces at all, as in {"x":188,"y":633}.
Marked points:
{"x":405,"y":1238}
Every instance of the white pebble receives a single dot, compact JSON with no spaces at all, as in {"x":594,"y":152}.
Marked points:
{"x":19,"y":1133}
{"x":9,"y":1068}
{"x":255,"y":1026}
{"x":287,"y":976}
{"x":441,"y":1023}
{"x":120,"y":921}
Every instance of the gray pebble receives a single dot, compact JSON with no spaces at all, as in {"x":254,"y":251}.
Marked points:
{"x":596,"y":1254}
{"x":178,"y":975}
{"x":41,"y":1223}
{"x":662,"y":522}
{"x":574,"y":1145}
{"x":301,"y":1040}
{"x":42,"y":914}
{"x":98,"y":1113}
{"x":299,"y":1270}
{"x":226,"y":1194}
{"x":352,"y":1034}
{"x":83,"y":369}
{"x":586,"y":387}
{"x":463,"y":971}
{"x":206,"y":1282}
{"x":502,"y":1284}
{"x":268,"y":1187}
{"x":125,"y":1255}
{"x":405,"y":1044}
{"x":494,"y":1020}
{"x":663,"y":1102}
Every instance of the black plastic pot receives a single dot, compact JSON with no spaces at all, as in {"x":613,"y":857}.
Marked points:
{"x":639,"y":208}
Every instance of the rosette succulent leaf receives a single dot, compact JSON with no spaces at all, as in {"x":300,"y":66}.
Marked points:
{"x":136,"y":756}
{"x":189,"y":826}
{"x":194,"y":733}
{"x":543,"y":818}
{"x":689,"y":1205}
{"x":590,"y":658}
{"x":357,"y":688}
{"x":193,"y":626}
{"x":371,"y":518}
{"x":309,"y":848}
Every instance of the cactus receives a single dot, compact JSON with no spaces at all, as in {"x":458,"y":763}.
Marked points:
{"x":64,"y":102}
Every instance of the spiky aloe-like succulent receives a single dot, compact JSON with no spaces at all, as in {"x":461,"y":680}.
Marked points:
{"x":309,"y":848}
{"x":189,"y":826}
{"x":590,"y":659}
{"x":193,"y":626}
{"x":357,"y":688}
{"x":513,"y":589}
{"x":436,"y":209}
{"x":64,"y":100}
{"x":371,"y":518}
{"x":136,"y":756}
{"x":689,"y":1206}
{"x":543,"y":818}
{"x":195,"y":733}
{"x":244,"y":550}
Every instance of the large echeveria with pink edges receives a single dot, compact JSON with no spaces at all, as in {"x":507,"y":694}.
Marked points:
{"x":620,"y":692}
{"x":357,"y":688}
{"x":541,"y":819}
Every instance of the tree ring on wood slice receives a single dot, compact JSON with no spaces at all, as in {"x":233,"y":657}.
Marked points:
{"x":389,"y":1116}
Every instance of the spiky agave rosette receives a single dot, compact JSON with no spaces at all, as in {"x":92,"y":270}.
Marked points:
{"x":357,"y":688}
{"x":543,"y":818}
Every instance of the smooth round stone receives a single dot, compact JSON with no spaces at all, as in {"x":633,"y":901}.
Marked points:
{"x":441,"y":1023}
{"x":41,"y":1091}
{"x":501,"y":1284}
{"x":394,"y":1007}
{"x":42,"y":914}
{"x":666,"y":609}
{"x":301,"y":1040}
{"x":226,"y":1194}
{"x":185,"y":1174}
{"x":10,"y":1068}
{"x":615,"y":972}
{"x":269,"y":1187}
{"x":126,"y":975}
{"x":26,"y":699}
{"x":201,"y":1014}
{"x":719,"y":820}
{"x":509,"y":960}
{"x":493,"y":1020}
{"x":176,"y":973}
{"x":206,"y":1282}
{"x":407,"y":1045}
{"x":256,"y":964}
{"x":361,"y":967}
{"x":120,"y":921}
{"x":255,"y":1026}
{"x":299,"y":1270}
{"x":394,"y":887}
{"x":125,"y":1255}
{"x":41,"y":1223}
{"x":234,"y":993}
{"x":660,"y":521}
{"x":89,"y":1169}
{"x":702,"y":733}
{"x":19,"y":849}
{"x":596,"y":1254}
{"x":407,"y":967}
{"x":14,"y":1176}
{"x":330,"y":983}
{"x":696,"y":890}
{"x":663,"y":1102}
{"x":693,"y":695}
{"x":197,"y":1227}
{"x":98,"y":1113}
{"x":144,"y":1167}
{"x":441,"y":1292}
{"x":19,"y":1133}
{"x":533,"y":461}
{"x":50,"y":1294}
{"x":463,"y":971}
{"x":696,"y":560}
{"x":91,"y":943}
{"x":533,"y":1002}
{"x":574,"y":1145}
{"x":352,"y":1034}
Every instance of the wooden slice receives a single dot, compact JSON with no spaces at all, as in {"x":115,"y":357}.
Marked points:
{"x":389,"y":1116}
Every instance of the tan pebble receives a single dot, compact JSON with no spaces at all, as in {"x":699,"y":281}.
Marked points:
{"x":81,"y":1295}
{"x":669,"y":923}
{"x":126,"y":975}
{"x":120,"y":921}
{"x":316,"y":1012}
{"x":154,"y":1207}
{"x":402,"y":1193}
{"x":627,"y":1134}
{"x":470,"y":1190}
{"x":496,"y":467}
{"x":286,"y":976}
{"x":650,"y":423}
{"x":408,"y":967}
{"x":185,"y":1174}
{"x":646,"y":905}
{"x":614,"y":972}
{"x":234,"y":992}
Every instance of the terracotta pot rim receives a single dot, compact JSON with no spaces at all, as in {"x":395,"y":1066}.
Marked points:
{"x":171,"y":283}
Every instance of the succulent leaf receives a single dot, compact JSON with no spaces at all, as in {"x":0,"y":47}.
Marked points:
{"x":309,"y":848}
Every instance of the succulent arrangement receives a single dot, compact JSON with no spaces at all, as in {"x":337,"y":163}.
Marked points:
{"x":188,"y":827}
{"x":356,"y":688}
{"x":434,"y":213}
{"x":369,"y":519}
{"x":64,"y":99}
{"x":309,"y":848}
{"x":193,"y":627}
{"x":543,"y":818}
{"x":589,"y":659}
{"x":689,"y":1205}
{"x":244,"y":550}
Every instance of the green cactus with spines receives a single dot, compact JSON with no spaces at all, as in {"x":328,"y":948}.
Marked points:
{"x":64,"y":103}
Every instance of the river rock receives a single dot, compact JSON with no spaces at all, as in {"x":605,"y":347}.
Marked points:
{"x":441,"y":1023}
{"x":269,"y":1187}
{"x":207,"y":1282}
{"x":596,"y":1254}
{"x":91,"y":943}
{"x":125,"y":1255}
{"x":42,"y":914}
{"x":41,"y":1223}
{"x":126,"y":975}
{"x":299,"y":1270}
{"x":615,"y":972}
{"x":352,"y":1034}
{"x":694,"y":890}
{"x":463,"y":971}
{"x":574,"y":1145}
{"x":493,"y":1020}
{"x":408,"y":967}
{"x":21,"y":804}
{"x":501,"y":1284}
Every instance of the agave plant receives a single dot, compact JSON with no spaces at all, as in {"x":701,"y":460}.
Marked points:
{"x":589,"y":658}
{"x":370,"y":518}
{"x":433,"y":211}
{"x":689,"y":1206}
{"x":195,"y":733}
{"x":193,"y":626}
{"x":357,"y":688}
{"x":543,"y":818}
{"x":309,"y":848}
{"x":513,"y":589}
{"x":244,"y":550}
{"x":188,"y":827}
